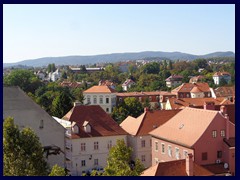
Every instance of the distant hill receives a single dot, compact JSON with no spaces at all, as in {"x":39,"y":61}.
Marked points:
{"x":116,"y":57}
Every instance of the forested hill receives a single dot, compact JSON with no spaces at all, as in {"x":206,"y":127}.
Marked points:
{"x":78,"y":60}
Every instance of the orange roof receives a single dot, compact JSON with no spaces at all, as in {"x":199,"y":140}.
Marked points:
{"x":221,"y":74}
{"x":175,"y":168}
{"x":100,"y":89}
{"x":225,"y":91}
{"x":152,"y":93}
{"x":187,"y":87}
{"x":186,"y":127}
{"x":177,"y":103}
{"x":147,"y":122}
{"x":195,"y":90}
{"x":101,"y":123}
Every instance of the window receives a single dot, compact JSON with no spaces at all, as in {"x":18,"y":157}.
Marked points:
{"x":222,"y":132}
{"x":163,"y":148}
{"x":187,"y":95}
{"x":170,"y":151}
{"x":143,"y":143}
{"x":88,"y":99}
{"x":214,"y":133}
{"x":95,"y":145}
{"x":109,"y":144}
{"x":41,"y":124}
{"x":185,"y":153}
{"x":143,"y":158}
{"x":177,"y":154}
{"x":219,"y":154}
{"x":156,"y":146}
{"x":204,"y":156}
{"x":150,"y":98}
{"x":83,"y":163}
{"x":107,"y":109}
{"x":101,"y":100}
{"x":209,"y":94}
{"x":83,"y":146}
{"x":95,"y":162}
{"x":107,"y":100}
{"x":120,"y":99}
{"x":94,"y":99}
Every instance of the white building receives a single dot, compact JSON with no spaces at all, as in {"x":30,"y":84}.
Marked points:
{"x":173,"y":80}
{"x":55,"y":75}
{"x":88,"y":140}
{"x":27,"y":113}
{"x":138,"y":129}
{"x":128,"y":84}
{"x":221,"y":75}
{"x":103,"y":96}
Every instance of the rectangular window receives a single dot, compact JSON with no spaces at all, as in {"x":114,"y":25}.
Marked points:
{"x":222,"y":133}
{"x":83,"y":146}
{"x":95,"y":100}
{"x":107,"y":109}
{"x":109,"y":144}
{"x":214,"y":133}
{"x":156,"y":146}
{"x":185,"y":153}
{"x":143,"y":143}
{"x":163,"y":148}
{"x":170,"y":151}
{"x":143,"y":158}
{"x":83,"y":163}
{"x":107,"y":100}
{"x":177,"y":154}
{"x":95,"y":145}
{"x":95,"y":162}
{"x":150,"y":98}
{"x":88,"y":100}
{"x":219,"y":154}
{"x":101,"y":100}
{"x":204,"y":156}
{"x":120,"y":99}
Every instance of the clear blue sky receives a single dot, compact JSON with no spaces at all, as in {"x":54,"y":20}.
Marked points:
{"x":35,"y":31}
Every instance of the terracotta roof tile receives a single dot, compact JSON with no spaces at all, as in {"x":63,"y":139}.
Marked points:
{"x":101,"y":123}
{"x":175,"y":168}
{"x":100,"y":89}
{"x":221,"y":74}
{"x":186,"y":127}
{"x":225,"y":91}
{"x":147,"y":122}
{"x":187,"y":87}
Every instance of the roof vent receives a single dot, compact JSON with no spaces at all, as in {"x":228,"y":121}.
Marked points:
{"x":181,"y":126}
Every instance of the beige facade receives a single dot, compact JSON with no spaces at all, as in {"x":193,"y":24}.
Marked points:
{"x":84,"y":154}
{"x":106,"y":100}
{"x":27,"y":113}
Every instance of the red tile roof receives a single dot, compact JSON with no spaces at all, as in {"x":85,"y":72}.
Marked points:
{"x":187,"y":87}
{"x":196,"y":79}
{"x":101,"y":123}
{"x":221,"y":74}
{"x":100,"y":89}
{"x":175,"y":168}
{"x":186,"y":127}
{"x":147,"y":122}
{"x":225,"y":91}
{"x":151,"y":93}
{"x":178,"y":103}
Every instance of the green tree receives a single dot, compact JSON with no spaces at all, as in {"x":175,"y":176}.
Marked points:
{"x":25,"y":79}
{"x":22,"y":151}
{"x":151,"y":68}
{"x":119,"y":162}
{"x":57,"y":171}
{"x":146,"y":103}
{"x":61,"y":104}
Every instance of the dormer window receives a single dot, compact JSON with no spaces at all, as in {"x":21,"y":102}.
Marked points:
{"x":75,"y":128}
{"x":87,"y":127}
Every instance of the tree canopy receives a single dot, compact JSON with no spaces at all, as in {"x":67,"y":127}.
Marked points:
{"x":119,"y":161}
{"x":57,"y":171}
{"x":22,"y":151}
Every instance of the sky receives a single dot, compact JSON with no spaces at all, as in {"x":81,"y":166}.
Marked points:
{"x":52,"y":30}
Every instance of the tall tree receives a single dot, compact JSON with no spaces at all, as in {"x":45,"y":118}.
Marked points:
{"x":22,"y":151}
{"x":119,"y":162}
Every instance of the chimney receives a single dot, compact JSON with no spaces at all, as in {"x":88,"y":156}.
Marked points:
{"x":189,"y":164}
{"x":223,"y":110}
{"x":146,"y":109}
{"x":227,"y":126}
{"x":209,"y":105}
{"x":77,"y":103}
